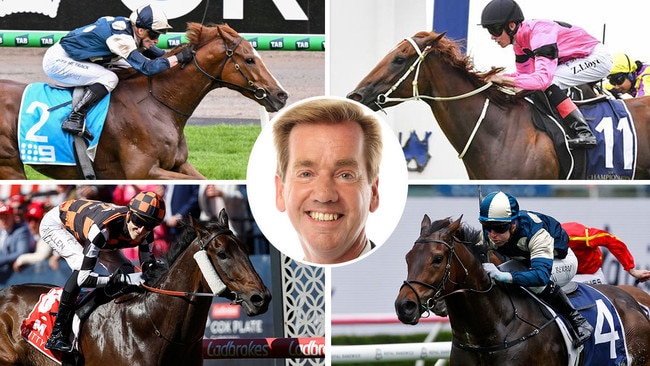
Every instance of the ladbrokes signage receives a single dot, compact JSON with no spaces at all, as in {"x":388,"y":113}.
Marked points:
{"x":251,"y":16}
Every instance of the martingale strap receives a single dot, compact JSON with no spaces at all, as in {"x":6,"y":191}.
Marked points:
{"x":505,"y":345}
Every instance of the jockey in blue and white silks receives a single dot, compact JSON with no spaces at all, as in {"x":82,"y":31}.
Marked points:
{"x":80,"y":57}
{"x":540,"y":243}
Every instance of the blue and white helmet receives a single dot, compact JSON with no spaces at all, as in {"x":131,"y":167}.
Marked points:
{"x":150,"y":17}
{"x":498,"y":207}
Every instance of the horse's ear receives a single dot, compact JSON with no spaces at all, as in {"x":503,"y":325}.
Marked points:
{"x":456,"y":224}
{"x":424,"y":226}
{"x":195,"y":224}
{"x":440,"y":36}
{"x":223,"y":218}
{"x":432,"y":41}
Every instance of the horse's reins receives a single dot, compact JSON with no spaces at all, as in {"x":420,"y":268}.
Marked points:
{"x":183,"y":294}
{"x":383,"y":98}
{"x":430,"y":303}
{"x":258,"y":92}
{"x":188,"y":294}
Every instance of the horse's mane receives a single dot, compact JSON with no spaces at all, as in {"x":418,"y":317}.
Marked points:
{"x":449,"y":51}
{"x":196,"y":30}
{"x":466,"y":235}
{"x":188,"y":234}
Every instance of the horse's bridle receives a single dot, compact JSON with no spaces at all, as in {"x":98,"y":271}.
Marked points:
{"x":431,"y":302}
{"x":202,"y":245}
{"x":258,"y":92}
{"x":422,"y":54}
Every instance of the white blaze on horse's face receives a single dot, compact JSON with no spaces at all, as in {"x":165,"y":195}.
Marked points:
{"x":257,"y":55}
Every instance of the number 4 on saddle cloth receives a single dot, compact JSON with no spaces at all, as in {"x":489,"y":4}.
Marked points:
{"x":614,"y":157}
{"x":607,"y":341}
{"x":42,"y":111}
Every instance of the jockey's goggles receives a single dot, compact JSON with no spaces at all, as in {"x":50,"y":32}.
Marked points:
{"x":141,"y":222}
{"x":153,"y":35}
{"x":497,"y":227}
{"x":617,"y":79}
{"x":495,"y":29}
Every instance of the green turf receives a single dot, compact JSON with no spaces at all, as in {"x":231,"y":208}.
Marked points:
{"x":219,"y":152}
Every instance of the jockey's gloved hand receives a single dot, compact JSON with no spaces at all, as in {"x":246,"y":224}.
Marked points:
{"x":148,"y":264}
{"x":124,"y":279}
{"x":497,"y":274}
{"x":185,"y":55}
{"x":135,"y":278}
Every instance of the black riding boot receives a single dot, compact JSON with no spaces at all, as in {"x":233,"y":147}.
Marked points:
{"x":580,"y":135}
{"x":60,"y":338}
{"x":557,"y":299}
{"x":75,"y":122}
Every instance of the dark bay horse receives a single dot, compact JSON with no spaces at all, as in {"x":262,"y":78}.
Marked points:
{"x":162,"y":326}
{"x":493,"y":324}
{"x":431,"y":68}
{"x":143,"y":136}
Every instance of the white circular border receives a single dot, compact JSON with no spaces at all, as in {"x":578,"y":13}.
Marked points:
{"x":275,"y":225}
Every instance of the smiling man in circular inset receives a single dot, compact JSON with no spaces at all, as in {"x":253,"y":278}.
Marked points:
{"x":328,"y":157}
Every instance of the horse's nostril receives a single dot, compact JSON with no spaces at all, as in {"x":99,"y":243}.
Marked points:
{"x":354,"y":96}
{"x":261,"y":298}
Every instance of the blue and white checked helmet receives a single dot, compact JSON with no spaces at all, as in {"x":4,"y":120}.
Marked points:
{"x":498,"y":207}
{"x":150,"y":17}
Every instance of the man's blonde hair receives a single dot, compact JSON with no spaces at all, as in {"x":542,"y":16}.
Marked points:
{"x":328,"y":111}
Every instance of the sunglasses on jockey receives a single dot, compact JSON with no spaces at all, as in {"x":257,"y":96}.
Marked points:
{"x":617,"y":79}
{"x":498,"y":227}
{"x":141,"y":222}
{"x":495,"y":29}
{"x":153,"y":35}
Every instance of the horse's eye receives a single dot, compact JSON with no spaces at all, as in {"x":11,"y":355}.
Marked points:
{"x":399,"y":60}
{"x":250,"y":61}
{"x":221,"y":254}
{"x":437,"y":259}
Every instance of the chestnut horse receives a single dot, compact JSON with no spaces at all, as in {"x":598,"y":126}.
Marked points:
{"x":431,"y":68}
{"x":143,"y":136}
{"x":162,"y":326}
{"x":494,"y":324}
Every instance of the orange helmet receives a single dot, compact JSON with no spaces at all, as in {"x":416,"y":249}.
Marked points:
{"x":149,"y":206}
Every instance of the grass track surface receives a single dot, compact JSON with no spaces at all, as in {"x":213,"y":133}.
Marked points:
{"x":219,"y":152}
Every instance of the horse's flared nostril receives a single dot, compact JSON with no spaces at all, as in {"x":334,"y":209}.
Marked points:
{"x":354,"y":96}
{"x":407,"y":311}
{"x":283,"y":96}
